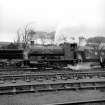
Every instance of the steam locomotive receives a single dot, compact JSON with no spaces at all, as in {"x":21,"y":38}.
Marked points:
{"x":40,"y":56}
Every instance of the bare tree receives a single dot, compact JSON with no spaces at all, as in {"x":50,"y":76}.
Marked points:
{"x":98,"y":46}
{"x":97,"y":43}
{"x":25,"y":35}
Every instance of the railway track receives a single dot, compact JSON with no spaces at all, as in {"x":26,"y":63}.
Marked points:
{"x":18,"y":81}
{"x":38,"y":86}
{"x":10,"y":71}
{"x":54,"y":74}
{"x":88,"y":102}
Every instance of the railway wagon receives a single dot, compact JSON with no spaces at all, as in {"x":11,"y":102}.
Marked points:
{"x":11,"y":54}
{"x":11,"y":57}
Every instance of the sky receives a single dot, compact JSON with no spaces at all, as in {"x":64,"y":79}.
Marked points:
{"x":67,"y":17}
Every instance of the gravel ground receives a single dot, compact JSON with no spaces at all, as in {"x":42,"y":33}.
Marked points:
{"x":44,"y":98}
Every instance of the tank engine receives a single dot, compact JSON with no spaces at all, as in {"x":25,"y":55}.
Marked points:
{"x":40,"y":56}
{"x":56,"y":56}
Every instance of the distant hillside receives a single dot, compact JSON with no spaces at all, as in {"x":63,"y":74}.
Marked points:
{"x":96,"y":39}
